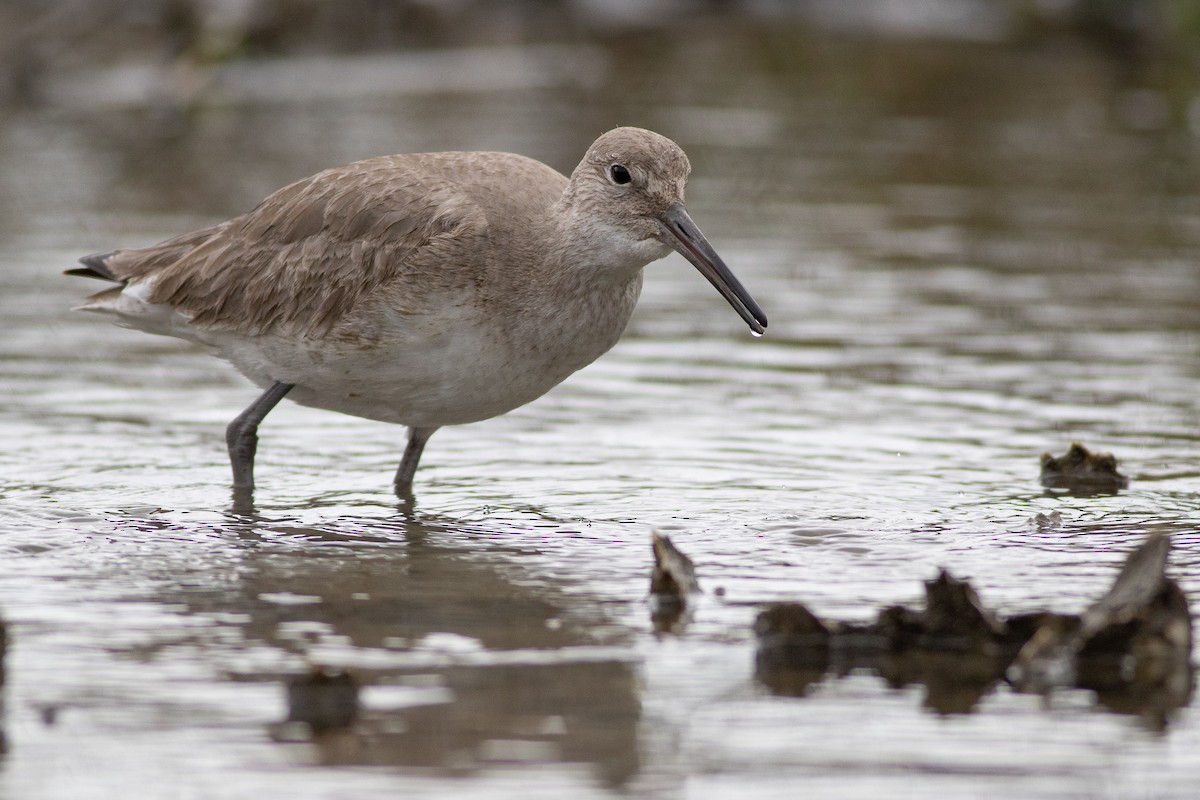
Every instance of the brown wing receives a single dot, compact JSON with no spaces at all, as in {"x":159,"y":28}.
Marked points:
{"x":308,"y":254}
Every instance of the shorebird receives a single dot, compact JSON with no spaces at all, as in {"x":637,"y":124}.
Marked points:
{"x":424,"y":289}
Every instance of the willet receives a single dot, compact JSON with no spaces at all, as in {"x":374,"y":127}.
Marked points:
{"x":424,"y":289}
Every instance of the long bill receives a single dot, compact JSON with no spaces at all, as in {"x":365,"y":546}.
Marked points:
{"x":682,"y":234}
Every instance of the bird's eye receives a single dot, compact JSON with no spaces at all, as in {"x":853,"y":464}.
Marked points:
{"x":619,"y":174}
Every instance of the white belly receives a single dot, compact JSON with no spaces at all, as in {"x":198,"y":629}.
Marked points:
{"x":450,"y":378}
{"x":448,"y":367}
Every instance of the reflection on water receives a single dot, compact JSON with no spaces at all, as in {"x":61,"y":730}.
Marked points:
{"x":493,"y":670}
{"x":970,"y":253}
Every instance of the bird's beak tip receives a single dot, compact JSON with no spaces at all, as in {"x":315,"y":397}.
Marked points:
{"x":681,"y":233}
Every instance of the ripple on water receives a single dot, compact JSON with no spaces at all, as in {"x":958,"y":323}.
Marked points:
{"x":929,"y":339}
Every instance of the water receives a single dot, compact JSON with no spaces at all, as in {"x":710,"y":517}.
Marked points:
{"x":969,"y":255}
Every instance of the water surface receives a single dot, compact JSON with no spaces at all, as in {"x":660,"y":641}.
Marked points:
{"x":969,"y":255}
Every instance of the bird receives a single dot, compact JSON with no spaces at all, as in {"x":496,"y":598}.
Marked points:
{"x":420,"y":289}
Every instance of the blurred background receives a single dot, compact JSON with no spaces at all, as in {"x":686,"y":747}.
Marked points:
{"x":202,"y":106}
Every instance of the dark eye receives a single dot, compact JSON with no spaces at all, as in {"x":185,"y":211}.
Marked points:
{"x":619,"y":174}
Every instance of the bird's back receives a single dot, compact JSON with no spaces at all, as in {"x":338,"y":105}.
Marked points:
{"x":315,"y":254}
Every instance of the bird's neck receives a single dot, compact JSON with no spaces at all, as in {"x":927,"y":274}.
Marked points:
{"x":593,"y":253}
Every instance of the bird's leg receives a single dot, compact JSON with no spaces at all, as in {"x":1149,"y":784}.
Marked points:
{"x":417,"y":437}
{"x":242,"y":435}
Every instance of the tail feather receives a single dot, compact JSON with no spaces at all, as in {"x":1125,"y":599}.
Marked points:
{"x":95,"y":266}
{"x":127,"y":298}
{"x":104,"y":301}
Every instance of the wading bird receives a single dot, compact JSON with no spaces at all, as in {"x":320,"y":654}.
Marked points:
{"x":424,"y":289}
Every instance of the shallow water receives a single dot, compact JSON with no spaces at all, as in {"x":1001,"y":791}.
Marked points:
{"x":969,"y":255}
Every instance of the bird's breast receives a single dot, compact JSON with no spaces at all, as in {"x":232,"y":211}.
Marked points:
{"x":463,"y":364}
{"x":572,"y":329}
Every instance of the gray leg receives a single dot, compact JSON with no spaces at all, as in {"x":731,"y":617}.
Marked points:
{"x":417,"y":437}
{"x":242,"y":435}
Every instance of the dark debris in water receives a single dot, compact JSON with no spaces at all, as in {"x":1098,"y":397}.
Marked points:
{"x":1137,"y":630}
{"x":325,"y":701}
{"x":672,"y":581}
{"x":1132,"y":646}
{"x":1082,"y":472}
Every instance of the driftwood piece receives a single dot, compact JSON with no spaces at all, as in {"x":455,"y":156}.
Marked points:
{"x":1082,"y":472}
{"x":1132,"y":646}
{"x":790,"y":633}
{"x":325,"y":701}
{"x":672,"y":581}
{"x":674,"y":573}
{"x":1141,"y":579}
{"x":954,"y":617}
{"x":1143,"y":617}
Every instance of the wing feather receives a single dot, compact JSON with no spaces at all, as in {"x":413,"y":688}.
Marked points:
{"x":310,"y":254}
